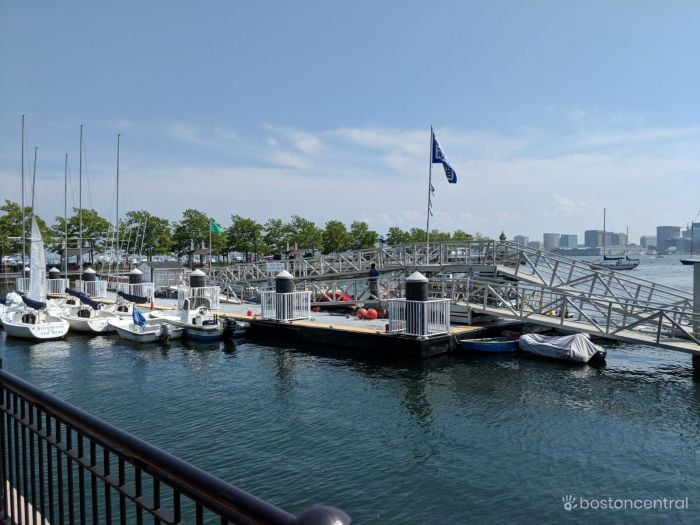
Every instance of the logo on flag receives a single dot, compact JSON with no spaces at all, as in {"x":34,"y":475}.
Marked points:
{"x":438,"y":157}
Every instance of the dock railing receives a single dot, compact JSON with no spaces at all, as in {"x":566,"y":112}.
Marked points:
{"x":60,"y":465}
{"x":93,"y":288}
{"x":419,"y":318}
{"x":285,"y":306}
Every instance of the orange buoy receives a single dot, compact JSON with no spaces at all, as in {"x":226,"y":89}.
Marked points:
{"x":371,"y":314}
{"x":361,"y":313}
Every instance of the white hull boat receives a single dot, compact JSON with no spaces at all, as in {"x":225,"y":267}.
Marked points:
{"x":196,"y":319}
{"x":34,"y":324}
{"x":34,"y":320}
{"x":153,"y":331}
{"x":88,"y":321}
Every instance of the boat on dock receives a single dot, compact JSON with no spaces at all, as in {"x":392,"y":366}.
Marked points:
{"x":576,"y":348}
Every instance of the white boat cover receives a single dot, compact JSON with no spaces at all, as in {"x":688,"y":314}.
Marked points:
{"x":577,"y":348}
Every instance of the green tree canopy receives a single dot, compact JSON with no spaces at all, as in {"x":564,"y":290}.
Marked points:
{"x":335,"y":237}
{"x":277,"y":236}
{"x":361,"y":237}
{"x":396,"y":235}
{"x":150,"y":234}
{"x":304,"y":234}
{"x":11,"y":228}
{"x":191,"y":232}
{"x":245,"y":235}
{"x":96,"y":230}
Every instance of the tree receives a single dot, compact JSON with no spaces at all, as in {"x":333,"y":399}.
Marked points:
{"x":304,"y":234}
{"x":277,"y":236}
{"x":361,"y":237}
{"x":335,"y":237}
{"x":416,"y":235}
{"x":459,"y":235}
{"x":191,"y":232}
{"x":151,"y":234}
{"x":396,"y":235}
{"x":245,"y":235}
{"x":11,"y":228}
{"x":95,"y":230}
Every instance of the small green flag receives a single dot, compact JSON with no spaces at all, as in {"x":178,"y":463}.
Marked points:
{"x":215,"y":228}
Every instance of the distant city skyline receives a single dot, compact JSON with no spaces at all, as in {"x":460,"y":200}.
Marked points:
{"x":548,"y":111}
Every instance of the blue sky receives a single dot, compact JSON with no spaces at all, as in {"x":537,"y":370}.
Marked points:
{"x":548,"y":111}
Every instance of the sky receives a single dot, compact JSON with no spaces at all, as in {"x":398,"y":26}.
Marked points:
{"x":548,"y":111}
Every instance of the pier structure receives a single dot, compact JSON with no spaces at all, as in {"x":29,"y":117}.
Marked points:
{"x":504,"y":280}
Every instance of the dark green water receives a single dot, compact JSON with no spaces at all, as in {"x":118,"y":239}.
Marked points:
{"x":446,"y":440}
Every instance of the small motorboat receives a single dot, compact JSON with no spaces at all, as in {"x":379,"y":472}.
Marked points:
{"x":490,"y":345}
{"x":576,"y":348}
{"x":140,"y":330}
{"x":196,"y":318}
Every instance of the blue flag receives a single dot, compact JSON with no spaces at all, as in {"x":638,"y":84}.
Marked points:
{"x":137,"y":316}
{"x":438,"y":157}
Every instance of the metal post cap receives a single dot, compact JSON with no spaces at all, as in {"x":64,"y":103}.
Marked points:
{"x":324,"y":515}
{"x":89,"y":270}
{"x":198,"y":273}
{"x":54,"y":270}
{"x":135,"y":271}
{"x":416,"y":277}
{"x":284,"y":274}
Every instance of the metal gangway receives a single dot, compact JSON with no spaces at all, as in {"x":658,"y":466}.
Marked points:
{"x":512,"y":281}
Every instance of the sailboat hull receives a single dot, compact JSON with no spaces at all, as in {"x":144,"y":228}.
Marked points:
{"x":50,"y":328}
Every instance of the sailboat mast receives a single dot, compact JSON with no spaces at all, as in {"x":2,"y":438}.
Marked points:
{"x":65,"y":218}
{"x":80,"y":209}
{"x":603,"y":232}
{"x":116,"y":221}
{"x":24,"y":226}
{"x":36,"y":149}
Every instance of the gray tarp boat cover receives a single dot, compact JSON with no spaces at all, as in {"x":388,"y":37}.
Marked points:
{"x":577,"y":348}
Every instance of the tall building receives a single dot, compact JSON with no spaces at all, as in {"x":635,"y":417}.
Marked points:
{"x":536,"y":245}
{"x":521,"y":239}
{"x":593,"y":238}
{"x":551,"y":240}
{"x":667,"y":237}
{"x":617,"y":239}
{"x":647,"y":240}
{"x":568,"y":241}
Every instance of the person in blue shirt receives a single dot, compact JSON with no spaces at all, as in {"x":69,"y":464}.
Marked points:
{"x":373,"y":282}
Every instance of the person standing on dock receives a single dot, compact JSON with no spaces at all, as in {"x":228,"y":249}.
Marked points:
{"x":373,"y":282}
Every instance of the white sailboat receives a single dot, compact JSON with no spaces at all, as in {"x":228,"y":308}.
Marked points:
{"x":36,"y":321}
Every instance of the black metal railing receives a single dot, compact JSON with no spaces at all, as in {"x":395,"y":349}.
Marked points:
{"x":61,"y":465}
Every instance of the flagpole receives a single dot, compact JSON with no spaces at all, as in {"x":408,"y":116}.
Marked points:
{"x":210,"y":226}
{"x":430,"y":185}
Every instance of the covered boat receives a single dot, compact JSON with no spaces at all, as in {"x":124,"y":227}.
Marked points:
{"x":576,"y":348}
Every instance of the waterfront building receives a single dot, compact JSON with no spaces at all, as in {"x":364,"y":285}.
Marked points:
{"x":667,"y":237}
{"x":535,"y":245}
{"x":645,"y":241}
{"x":568,"y":241}
{"x":551,"y":240}
{"x":521,"y":239}
{"x":617,"y":239}
{"x":593,"y":238}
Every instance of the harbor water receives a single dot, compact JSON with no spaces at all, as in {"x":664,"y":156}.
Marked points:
{"x":453,"y":439}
